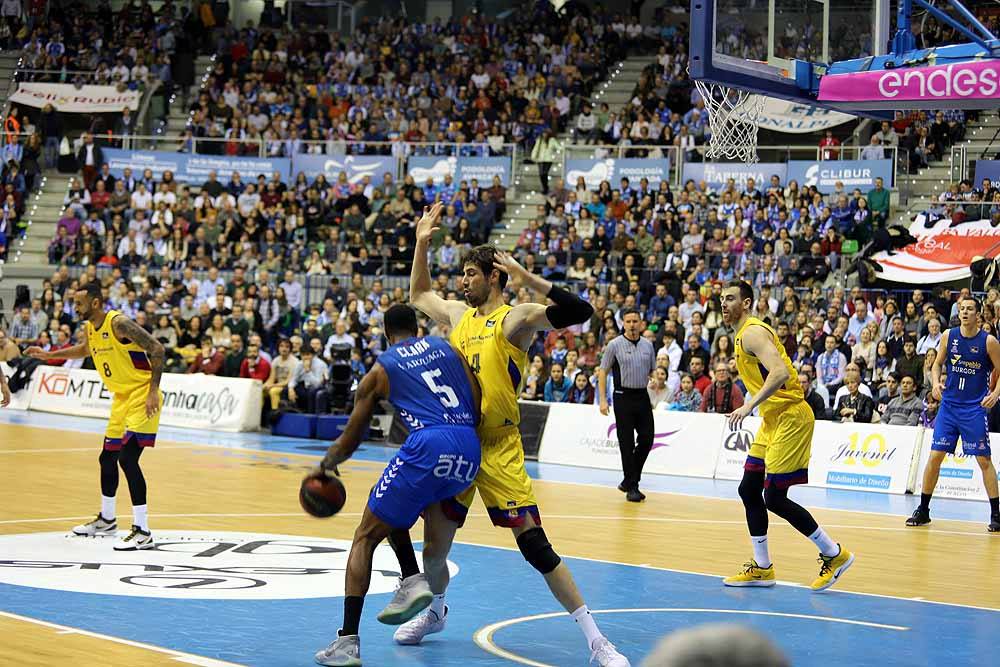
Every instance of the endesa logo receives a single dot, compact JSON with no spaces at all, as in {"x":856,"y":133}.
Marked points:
{"x":944,"y":82}
{"x":62,"y":384}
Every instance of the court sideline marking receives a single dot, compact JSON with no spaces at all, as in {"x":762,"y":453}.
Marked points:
{"x":483,"y":637}
{"x":179,"y":656}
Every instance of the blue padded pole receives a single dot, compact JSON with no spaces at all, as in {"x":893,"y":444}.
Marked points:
{"x":903,"y":41}
{"x":971,"y":18}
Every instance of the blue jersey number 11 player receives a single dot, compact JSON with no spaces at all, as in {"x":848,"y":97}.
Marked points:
{"x":970,"y":356}
{"x":434,"y":391}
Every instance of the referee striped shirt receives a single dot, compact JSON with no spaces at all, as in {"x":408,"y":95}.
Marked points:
{"x":630,"y":362}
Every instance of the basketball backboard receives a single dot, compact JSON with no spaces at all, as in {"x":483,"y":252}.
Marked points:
{"x":752,"y":43}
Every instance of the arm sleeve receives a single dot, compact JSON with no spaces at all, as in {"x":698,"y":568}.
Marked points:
{"x":569,"y":309}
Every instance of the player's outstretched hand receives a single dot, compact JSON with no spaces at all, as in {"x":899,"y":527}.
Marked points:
{"x":36,"y":352}
{"x":427,"y":224}
{"x":736,"y":417}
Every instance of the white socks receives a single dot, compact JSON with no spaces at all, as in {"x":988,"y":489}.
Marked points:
{"x":437,"y":605}
{"x":140,"y":518}
{"x":760,"y":551}
{"x":108,"y":508}
{"x":585,"y":620}
{"x":826,"y":546}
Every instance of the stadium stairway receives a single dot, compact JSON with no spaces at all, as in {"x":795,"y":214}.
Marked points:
{"x":178,"y":115}
{"x":523,"y":204}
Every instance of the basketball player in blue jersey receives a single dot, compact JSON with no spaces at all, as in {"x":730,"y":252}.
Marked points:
{"x":434,"y":391}
{"x":971,"y":355}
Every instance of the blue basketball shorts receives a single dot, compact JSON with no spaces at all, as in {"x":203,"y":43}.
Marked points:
{"x":434,"y":463}
{"x":969,"y":422}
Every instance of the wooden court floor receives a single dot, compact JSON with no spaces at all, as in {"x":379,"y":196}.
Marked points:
{"x":49,"y":482}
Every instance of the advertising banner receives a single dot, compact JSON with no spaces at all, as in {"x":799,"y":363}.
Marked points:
{"x":958,"y":82}
{"x":356,"y":167}
{"x":190,"y":168}
{"x":824,"y":174}
{"x":67,"y":98}
{"x":987,"y":169}
{"x":684,"y":443}
{"x":613,"y":170}
{"x":942,"y":253}
{"x":960,"y":474}
{"x":191,"y":401}
{"x":865,"y":457}
{"x":461,"y":169}
{"x":734,"y":447}
{"x":795,"y":118}
{"x":717,"y":174}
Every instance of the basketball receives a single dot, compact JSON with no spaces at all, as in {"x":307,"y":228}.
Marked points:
{"x":322,"y":497}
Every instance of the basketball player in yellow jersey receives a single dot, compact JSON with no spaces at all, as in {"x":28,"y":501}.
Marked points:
{"x":494,"y":338}
{"x":129,"y":361}
{"x":779,"y":455}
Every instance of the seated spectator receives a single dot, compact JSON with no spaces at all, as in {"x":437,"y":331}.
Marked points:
{"x":687,"y":398}
{"x":306,"y":386}
{"x":558,"y":385}
{"x":854,"y":406}
{"x":904,"y":409}
{"x":255,"y":366}
{"x":209,"y":359}
{"x":582,"y":392}
{"x":721,"y":395}
{"x":660,"y":393}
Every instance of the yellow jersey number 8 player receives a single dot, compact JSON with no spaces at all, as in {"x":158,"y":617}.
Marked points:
{"x":779,"y":455}
{"x":129,"y":362}
{"x":494,"y":337}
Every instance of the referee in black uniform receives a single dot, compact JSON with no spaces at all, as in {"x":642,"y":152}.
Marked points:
{"x":631,"y":358}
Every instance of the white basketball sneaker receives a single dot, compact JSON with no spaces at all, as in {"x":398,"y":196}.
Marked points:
{"x":413,"y":595}
{"x":98,"y":527}
{"x":136,"y":540}
{"x":345,"y":651}
{"x":606,"y":655}
{"x":413,"y":632}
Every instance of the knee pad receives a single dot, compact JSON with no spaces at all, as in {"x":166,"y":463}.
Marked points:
{"x":537,"y":551}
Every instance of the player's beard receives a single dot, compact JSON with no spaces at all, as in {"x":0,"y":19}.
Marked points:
{"x":476,"y":298}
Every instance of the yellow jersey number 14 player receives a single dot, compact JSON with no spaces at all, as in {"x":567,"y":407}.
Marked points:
{"x":129,"y":361}
{"x":779,"y":455}
{"x":494,"y":338}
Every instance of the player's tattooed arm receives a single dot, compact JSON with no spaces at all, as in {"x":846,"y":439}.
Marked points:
{"x":373,"y":386}
{"x":125,"y":330}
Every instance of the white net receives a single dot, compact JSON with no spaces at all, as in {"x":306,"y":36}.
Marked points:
{"x":733,"y":115}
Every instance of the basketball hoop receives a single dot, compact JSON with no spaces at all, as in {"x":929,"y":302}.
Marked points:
{"x":733,"y":116}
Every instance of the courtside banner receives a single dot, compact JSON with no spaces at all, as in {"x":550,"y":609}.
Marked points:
{"x":18,"y":400}
{"x":613,"y":170}
{"x":191,"y":401}
{"x":865,"y":457}
{"x":67,"y":98}
{"x":734,"y":447}
{"x":355,"y":166}
{"x":194,"y":169}
{"x":942,"y":253}
{"x":960,"y":475}
{"x":717,"y":174}
{"x":684,"y":443}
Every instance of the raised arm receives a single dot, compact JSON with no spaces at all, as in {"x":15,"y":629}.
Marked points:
{"x":79,"y":351}
{"x":421,"y":295}
{"x":373,"y":386}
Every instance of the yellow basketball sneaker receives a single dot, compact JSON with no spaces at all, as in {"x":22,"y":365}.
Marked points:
{"x":752,"y":575}
{"x":830,"y":569}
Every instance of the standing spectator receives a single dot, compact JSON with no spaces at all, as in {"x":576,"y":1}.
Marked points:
{"x":632,"y":358}
{"x":544,"y":153}
{"x":90,"y":158}
{"x":721,"y":396}
{"x":829,"y":147}
{"x":878,"y":202}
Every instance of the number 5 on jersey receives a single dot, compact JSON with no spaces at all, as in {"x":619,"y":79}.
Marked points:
{"x":445,"y":393}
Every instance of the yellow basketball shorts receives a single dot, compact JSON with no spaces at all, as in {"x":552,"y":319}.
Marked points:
{"x":502,"y":482}
{"x":128,"y":419}
{"x":782,"y":446}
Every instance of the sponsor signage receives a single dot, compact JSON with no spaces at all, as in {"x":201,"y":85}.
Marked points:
{"x":191,"y":168}
{"x":67,"y":98}
{"x":795,"y":118}
{"x":979,"y":80}
{"x":684,"y":443}
{"x":192,"y":401}
{"x":960,"y":474}
{"x":734,"y":448}
{"x":987,"y":169}
{"x":355,"y":166}
{"x":717,"y":174}
{"x":824,"y":174}
{"x":613,"y":170}
{"x":867,"y":457}
{"x":483,"y":169}
{"x":942,"y":253}
{"x":191,"y":564}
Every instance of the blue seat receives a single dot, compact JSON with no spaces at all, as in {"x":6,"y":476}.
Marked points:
{"x":295,"y":425}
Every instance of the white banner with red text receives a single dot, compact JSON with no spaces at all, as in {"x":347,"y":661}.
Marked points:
{"x":942,"y":253}
{"x":960,"y":475}
{"x":684,"y":443}
{"x":191,"y":401}
{"x":67,"y":98}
